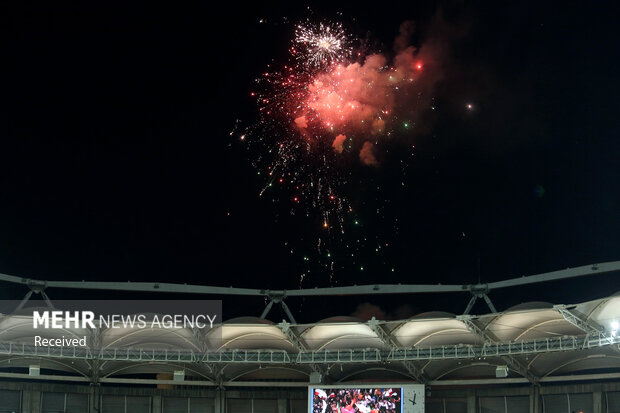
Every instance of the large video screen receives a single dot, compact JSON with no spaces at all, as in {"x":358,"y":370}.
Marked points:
{"x":354,"y":400}
{"x":366,"y":399}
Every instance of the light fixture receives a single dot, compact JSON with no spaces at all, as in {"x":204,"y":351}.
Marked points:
{"x":501,"y":371}
{"x":316,"y":377}
{"x":34,"y":370}
{"x":179,"y":375}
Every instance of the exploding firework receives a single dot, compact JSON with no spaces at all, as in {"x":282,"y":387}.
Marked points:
{"x":321,"y":44}
{"x":324,"y":111}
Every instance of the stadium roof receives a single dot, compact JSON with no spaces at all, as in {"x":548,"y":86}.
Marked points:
{"x":538,"y":342}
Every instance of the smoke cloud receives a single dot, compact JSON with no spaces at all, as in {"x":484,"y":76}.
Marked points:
{"x":301,"y":122}
{"x":366,"y":311}
{"x":367,"y":156}
{"x":378,"y":95}
{"x":337,"y":144}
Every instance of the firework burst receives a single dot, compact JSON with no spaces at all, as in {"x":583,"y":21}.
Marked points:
{"x":321,"y":44}
{"x":319,"y":109}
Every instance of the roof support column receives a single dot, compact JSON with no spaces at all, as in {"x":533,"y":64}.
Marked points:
{"x":391,"y":342}
{"x":512,"y":362}
{"x":300,"y":345}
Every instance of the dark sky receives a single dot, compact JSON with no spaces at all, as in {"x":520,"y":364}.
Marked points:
{"x":116,"y":162}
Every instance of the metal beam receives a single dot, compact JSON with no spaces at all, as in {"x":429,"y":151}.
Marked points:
{"x":207,"y":383}
{"x":489,"y":303}
{"x":393,"y":345}
{"x":479,"y":292}
{"x":488,"y":338}
{"x":266,"y":310}
{"x":547,"y":379}
{"x":579,"y":320}
{"x":589,"y":326}
{"x":275,"y":298}
{"x":581,"y":271}
{"x":287,"y":311}
{"x":46,"y":377}
{"x":327,"y":291}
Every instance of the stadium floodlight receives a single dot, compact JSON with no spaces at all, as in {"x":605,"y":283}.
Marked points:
{"x":34,"y":370}
{"x":501,"y":371}
{"x":316,"y":377}
{"x":179,"y":375}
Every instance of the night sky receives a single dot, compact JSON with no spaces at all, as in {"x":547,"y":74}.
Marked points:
{"x":117,"y":163}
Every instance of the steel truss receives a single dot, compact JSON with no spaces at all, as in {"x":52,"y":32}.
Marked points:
{"x":510,"y":359}
{"x":387,"y":339}
{"x":310,"y":357}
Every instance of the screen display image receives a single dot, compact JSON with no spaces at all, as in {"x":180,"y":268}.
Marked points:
{"x":357,"y":399}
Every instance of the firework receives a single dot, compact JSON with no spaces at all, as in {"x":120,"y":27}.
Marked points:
{"x":321,"y":44}
{"x":322,"y":112}
{"x":322,"y":105}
